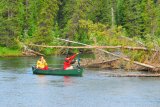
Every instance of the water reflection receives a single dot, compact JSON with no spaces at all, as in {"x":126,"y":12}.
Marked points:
{"x":20,"y":64}
{"x":9,"y":78}
{"x":42,"y":79}
{"x":58,"y":81}
{"x":20,"y":88}
{"x":67,"y":80}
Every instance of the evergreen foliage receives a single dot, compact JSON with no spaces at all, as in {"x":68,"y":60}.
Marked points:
{"x":10,"y":27}
{"x":39,"y":21}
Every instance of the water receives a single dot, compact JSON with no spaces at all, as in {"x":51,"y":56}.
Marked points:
{"x":20,"y":88}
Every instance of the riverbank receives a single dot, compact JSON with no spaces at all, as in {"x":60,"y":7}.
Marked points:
{"x":9,"y":52}
{"x":4,"y":52}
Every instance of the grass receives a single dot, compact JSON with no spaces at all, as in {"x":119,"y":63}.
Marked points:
{"x":9,"y":52}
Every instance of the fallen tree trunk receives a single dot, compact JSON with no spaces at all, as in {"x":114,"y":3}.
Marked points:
{"x":113,"y":64}
{"x":132,"y":40}
{"x":37,"y":53}
{"x":103,"y":64}
{"x":95,"y":47}
{"x":126,"y":59}
{"x":30,"y":52}
{"x":130,"y":75}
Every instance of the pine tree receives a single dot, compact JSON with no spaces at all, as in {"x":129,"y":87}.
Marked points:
{"x":29,"y":17}
{"x":10,"y":28}
{"x":73,"y":12}
{"x":120,"y":12}
{"x":132,"y":20}
{"x":101,"y":11}
{"x":45,"y":21}
{"x":150,"y":17}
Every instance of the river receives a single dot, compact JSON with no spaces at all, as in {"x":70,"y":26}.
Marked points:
{"x":20,"y":88}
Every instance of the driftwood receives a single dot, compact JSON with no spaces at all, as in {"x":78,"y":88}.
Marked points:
{"x":132,"y":40}
{"x":103,"y":64}
{"x":119,"y":56}
{"x":126,"y":59}
{"x":30,"y":52}
{"x":130,"y":75}
{"x":94,"y":47}
{"x":113,"y":64}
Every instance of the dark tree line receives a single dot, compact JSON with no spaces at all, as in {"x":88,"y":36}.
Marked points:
{"x":40,"y":21}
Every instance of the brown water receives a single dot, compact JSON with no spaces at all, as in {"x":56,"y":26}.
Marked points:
{"x":20,"y":88}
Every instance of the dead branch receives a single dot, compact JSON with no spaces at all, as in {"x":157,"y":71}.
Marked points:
{"x":94,"y":47}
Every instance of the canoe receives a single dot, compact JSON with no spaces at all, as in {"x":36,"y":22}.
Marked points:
{"x":60,"y":72}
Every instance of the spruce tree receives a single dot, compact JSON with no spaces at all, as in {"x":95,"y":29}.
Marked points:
{"x":10,"y":27}
{"x":150,"y":17}
{"x":73,"y":12}
{"x":132,"y":20}
{"x":45,"y":21}
{"x":29,"y":17}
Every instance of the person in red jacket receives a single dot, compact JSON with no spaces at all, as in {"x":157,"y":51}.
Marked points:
{"x":67,"y":62}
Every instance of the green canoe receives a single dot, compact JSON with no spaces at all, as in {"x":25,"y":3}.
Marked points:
{"x":61,"y":72}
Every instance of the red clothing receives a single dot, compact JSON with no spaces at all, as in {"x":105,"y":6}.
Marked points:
{"x":67,"y":62}
{"x":45,"y":68}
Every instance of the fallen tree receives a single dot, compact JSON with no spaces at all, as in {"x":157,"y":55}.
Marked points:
{"x":129,"y":75}
{"x":29,"y":52}
{"x":95,"y":47}
{"x":150,"y":67}
{"x":124,"y":58}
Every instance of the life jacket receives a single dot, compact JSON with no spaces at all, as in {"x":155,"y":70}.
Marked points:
{"x":41,"y":64}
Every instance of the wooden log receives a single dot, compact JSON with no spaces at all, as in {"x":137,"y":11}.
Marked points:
{"x":103,"y":64}
{"x":129,"y":75}
{"x":114,"y":64}
{"x":132,"y":40}
{"x":126,"y":59}
{"x":95,"y":47}
{"x":37,"y":53}
{"x":28,"y":51}
{"x":31,"y":53}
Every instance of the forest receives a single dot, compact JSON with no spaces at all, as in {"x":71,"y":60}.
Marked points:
{"x":134,"y":23}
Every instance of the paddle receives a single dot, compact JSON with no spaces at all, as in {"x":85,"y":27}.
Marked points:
{"x":78,"y":59}
{"x":67,"y":51}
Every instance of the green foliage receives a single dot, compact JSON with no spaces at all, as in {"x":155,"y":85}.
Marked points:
{"x":48,"y":51}
{"x":150,"y":17}
{"x":43,"y":32}
{"x":132,"y":20}
{"x":4,"y":51}
{"x":95,"y":22}
{"x":10,"y":23}
{"x":73,"y":11}
{"x":101,"y":34}
{"x":100,"y":11}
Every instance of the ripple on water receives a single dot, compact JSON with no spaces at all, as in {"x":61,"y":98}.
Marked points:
{"x":20,"y":88}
